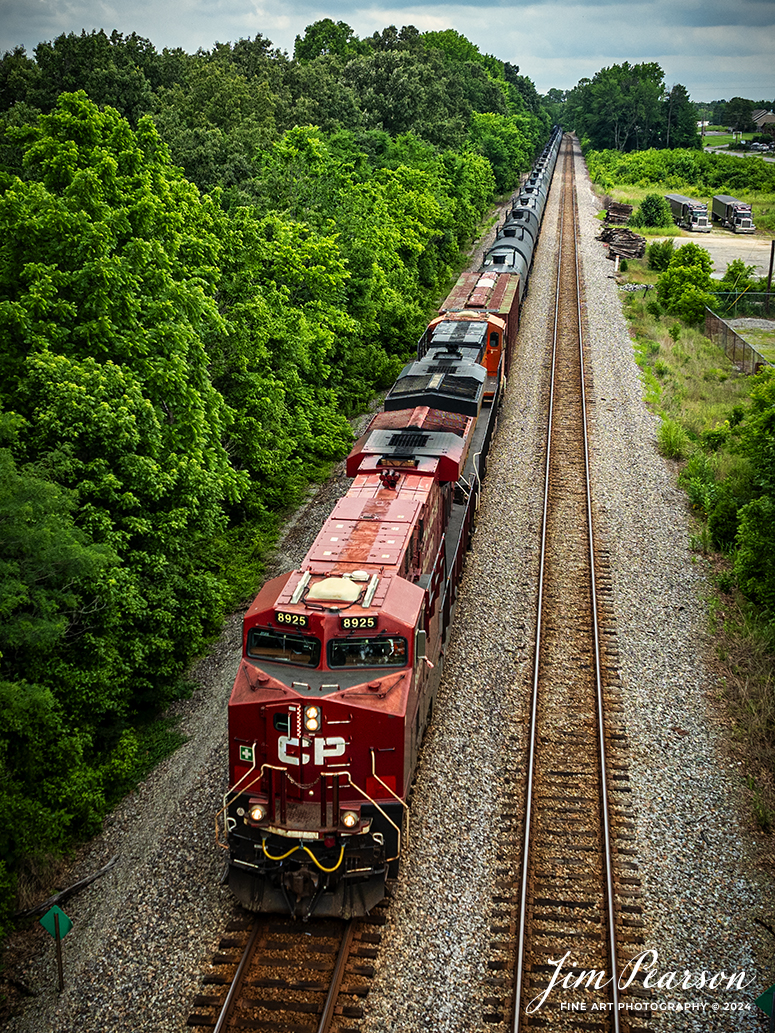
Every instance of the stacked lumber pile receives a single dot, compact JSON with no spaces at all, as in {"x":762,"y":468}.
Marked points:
{"x":623,"y":242}
{"x":618,"y":214}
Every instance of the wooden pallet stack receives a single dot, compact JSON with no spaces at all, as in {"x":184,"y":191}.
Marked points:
{"x":618,"y":214}
{"x":623,"y":242}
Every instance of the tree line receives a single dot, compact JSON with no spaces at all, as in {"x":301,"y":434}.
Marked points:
{"x":699,"y":172}
{"x":208,"y":263}
{"x":627,"y":107}
{"x":734,"y":114}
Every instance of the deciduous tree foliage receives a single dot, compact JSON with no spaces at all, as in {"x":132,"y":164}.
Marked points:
{"x":684,"y":287}
{"x":693,"y":171}
{"x":628,"y":108}
{"x":207,"y":262}
{"x":619,"y":107}
{"x":755,"y":556}
{"x":107,"y":269}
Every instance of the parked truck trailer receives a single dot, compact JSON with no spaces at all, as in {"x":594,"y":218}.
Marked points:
{"x":688,"y":213}
{"x":735,"y":215}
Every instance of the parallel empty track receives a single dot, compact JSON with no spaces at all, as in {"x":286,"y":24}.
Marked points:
{"x":574,"y":901}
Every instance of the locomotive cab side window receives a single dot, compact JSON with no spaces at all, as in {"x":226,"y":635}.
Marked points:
{"x":386,"y":651}
{"x":282,"y":723}
{"x":302,"y":650}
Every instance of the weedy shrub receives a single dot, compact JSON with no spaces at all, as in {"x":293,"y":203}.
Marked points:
{"x":672,"y":439}
{"x":701,"y":541}
{"x":659,"y":253}
{"x":699,"y":479}
{"x":722,"y":519}
{"x":653,"y":211}
{"x":713,"y":439}
{"x":725,"y":581}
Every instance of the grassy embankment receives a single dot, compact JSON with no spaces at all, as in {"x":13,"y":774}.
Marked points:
{"x":692,"y":385}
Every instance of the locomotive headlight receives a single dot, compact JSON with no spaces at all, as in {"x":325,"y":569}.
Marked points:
{"x":349,"y":819}
{"x":312,"y":718}
{"x":257,"y":812}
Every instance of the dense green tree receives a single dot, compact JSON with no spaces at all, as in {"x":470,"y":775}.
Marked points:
{"x":326,"y":37}
{"x":108,"y":68}
{"x":413,"y":90}
{"x":319,"y":96}
{"x":408,"y":37}
{"x":654,"y":210}
{"x":508,"y":142}
{"x":620,"y":107}
{"x":684,"y":287}
{"x":679,"y":119}
{"x":755,"y":556}
{"x":107,"y":269}
{"x":18,"y":75}
{"x":525,"y":88}
{"x":738,"y":114}
{"x":217,"y":125}
{"x":47,"y":569}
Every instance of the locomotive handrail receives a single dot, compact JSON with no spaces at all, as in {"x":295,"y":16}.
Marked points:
{"x":230,"y":794}
{"x":233,"y":790}
{"x":438,"y":564}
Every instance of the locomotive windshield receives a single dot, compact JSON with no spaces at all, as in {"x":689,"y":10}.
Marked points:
{"x":303,"y":650}
{"x":367,"y":652}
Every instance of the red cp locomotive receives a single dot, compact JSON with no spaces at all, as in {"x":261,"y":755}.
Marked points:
{"x":342,"y":658}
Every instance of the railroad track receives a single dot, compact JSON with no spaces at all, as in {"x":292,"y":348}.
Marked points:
{"x":275,"y":975}
{"x":573,"y":912}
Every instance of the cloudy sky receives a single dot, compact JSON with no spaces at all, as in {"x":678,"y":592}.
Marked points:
{"x":716,"y":48}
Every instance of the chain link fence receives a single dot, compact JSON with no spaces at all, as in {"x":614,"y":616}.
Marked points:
{"x":736,"y":304}
{"x":742,"y":354}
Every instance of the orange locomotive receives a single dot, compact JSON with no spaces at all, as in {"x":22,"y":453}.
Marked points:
{"x":342,"y":658}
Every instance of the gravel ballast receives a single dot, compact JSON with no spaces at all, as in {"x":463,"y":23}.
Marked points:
{"x":144,"y":931}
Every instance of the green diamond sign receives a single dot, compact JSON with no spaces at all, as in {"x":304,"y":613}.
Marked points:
{"x":49,"y":924}
{"x":765,"y":1001}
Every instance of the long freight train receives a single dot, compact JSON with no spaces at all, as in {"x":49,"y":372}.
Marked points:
{"x":342,"y":658}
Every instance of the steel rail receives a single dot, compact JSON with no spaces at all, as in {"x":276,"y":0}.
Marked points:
{"x":596,"y":628}
{"x":522,"y":919}
{"x":239,"y":976}
{"x":336,"y":980}
{"x":534,"y":698}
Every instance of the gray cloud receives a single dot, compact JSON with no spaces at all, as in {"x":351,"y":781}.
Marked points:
{"x":716,"y":49}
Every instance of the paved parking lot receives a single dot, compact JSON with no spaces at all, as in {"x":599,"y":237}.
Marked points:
{"x":724,"y":247}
